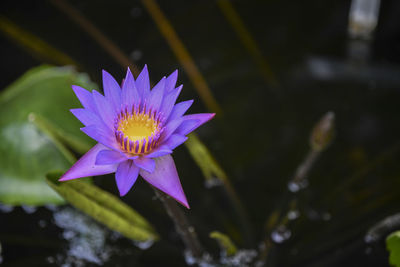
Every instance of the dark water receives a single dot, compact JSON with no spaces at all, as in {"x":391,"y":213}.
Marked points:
{"x":260,"y":140}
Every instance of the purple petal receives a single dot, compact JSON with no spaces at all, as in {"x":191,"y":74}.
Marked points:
{"x":112,"y":91}
{"x":130,"y":95}
{"x":86,"y":166}
{"x":175,"y":140}
{"x":187,"y":126}
{"x":159,"y":152}
{"x":87,"y":117}
{"x":192,"y":122}
{"x":170,"y":129}
{"x":106,"y":157}
{"x":165,"y":178}
{"x":143,"y":83}
{"x":169,"y":101}
{"x":179,"y":109}
{"x":171,"y":81}
{"x":104,"y":108}
{"x":101,"y":135}
{"x":126,"y":176}
{"x":145,"y":163}
{"x":85,"y":97}
{"x":156,"y":95}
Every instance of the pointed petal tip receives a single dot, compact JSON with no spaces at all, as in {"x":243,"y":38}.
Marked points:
{"x":66,"y":177}
{"x":179,"y":88}
{"x":181,"y":200}
{"x":144,"y":69}
{"x":77,"y":87}
{"x":186,"y":205}
{"x":128,"y":73}
{"x":204,"y":117}
{"x":105,"y":74}
{"x":165,"y":178}
{"x":122,"y":193}
{"x":86,"y":167}
{"x":174,"y":75}
{"x":125,"y":177}
{"x":62,"y":179}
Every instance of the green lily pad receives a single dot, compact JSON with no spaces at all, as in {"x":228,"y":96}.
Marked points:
{"x":34,"y":113}
{"x":103,"y":207}
{"x":393,"y":246}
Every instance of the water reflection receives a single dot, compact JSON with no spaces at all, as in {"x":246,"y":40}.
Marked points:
{"x":281,"y":234}
{"x":86,"y":239}
{"x":1,"y":257}
{"x":334,"y":80}
{"x":6,"y":208}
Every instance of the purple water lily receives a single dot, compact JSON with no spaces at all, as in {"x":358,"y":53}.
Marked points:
{"x":136,"y":129}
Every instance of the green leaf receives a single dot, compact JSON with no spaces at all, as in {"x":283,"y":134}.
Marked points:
{"x":224,"y":242}
{"x":33,"y":44}
{"x":34,"y":118}
{"x":103,"y":207}
{"x":393,"y":246}
{"x":205,"y":160}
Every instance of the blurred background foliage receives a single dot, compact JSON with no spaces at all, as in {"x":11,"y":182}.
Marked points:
{"x":271,"y":70}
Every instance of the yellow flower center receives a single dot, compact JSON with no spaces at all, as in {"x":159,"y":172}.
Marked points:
{"x":137,"y":127}
{"x":137,"y":133}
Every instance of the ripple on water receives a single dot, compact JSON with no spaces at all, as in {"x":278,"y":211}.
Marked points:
{"x":6,"y":208}
{"x":281,"y":234}
{"x":87,"y":239}
{"x":242,"y":258}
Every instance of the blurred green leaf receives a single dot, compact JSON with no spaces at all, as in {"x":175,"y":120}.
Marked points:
{"x":208,"y":165}
{"x":33,"y":44}
{"x":393,"y":246}
{"x":34,"y":117}
{"x":103,"y":207}
{"x":224,"y":242}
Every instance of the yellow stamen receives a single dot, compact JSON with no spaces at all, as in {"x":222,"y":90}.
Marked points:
{"x":138,"y":128}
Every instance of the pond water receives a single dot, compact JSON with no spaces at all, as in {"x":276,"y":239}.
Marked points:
{"x":259,"y":139}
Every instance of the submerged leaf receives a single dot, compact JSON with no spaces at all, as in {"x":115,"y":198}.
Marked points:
{"x":225,"y":242}
{"x":393,"y":245}
{"x":103,"y":207}
{"x":34,"y":118}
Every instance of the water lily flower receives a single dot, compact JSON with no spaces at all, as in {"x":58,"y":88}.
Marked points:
{"x":136,"y":129}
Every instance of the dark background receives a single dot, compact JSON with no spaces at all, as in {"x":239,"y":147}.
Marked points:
{"x":263,"y":133}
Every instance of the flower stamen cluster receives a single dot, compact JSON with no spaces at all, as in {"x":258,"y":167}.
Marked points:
{"x":138,"y":131}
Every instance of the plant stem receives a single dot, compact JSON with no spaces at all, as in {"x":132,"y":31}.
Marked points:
{"x":320,"y":138}
{"x":304,"y":168}
{"x":96,"y":34}
{"x":214,"y":173}
{"x":182,"y":226}
{"x":183,"y":55}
